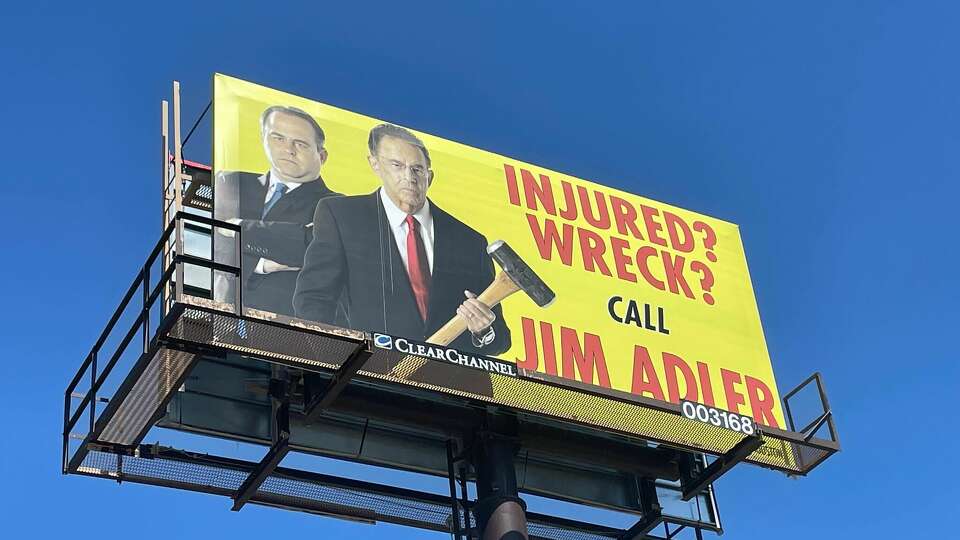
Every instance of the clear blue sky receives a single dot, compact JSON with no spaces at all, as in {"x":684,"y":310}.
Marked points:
{"x":827,"y":130}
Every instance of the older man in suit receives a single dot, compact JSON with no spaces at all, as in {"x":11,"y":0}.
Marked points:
{"x":394,"y":261}
{"x":274,"y":211}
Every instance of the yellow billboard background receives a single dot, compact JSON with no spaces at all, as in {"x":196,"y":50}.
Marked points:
{"x":473,"y":185}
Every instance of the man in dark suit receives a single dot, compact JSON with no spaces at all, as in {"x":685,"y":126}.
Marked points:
{"x":394,"y":261}
{"x":274,"y":211}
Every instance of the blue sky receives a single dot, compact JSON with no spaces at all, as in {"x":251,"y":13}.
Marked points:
{"x":827,"y":130}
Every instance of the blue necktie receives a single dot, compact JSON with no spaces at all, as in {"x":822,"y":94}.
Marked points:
{"x":278,"y":191}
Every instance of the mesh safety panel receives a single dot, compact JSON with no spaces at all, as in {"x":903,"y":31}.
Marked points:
{"x":354,"y":499}
{"x":147,"y":394}
{"x":322,"y":495}
{"x":262,"y":339}
{"x":179,"y":474}
{"x":616,"y":411}
{"x":553,"y":532}
{"x":531,"y":392}
{"x":199,"y":196}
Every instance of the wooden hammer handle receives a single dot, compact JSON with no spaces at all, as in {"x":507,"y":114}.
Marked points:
{"x":501,"y":287}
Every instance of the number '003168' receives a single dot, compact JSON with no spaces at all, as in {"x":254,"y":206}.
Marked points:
{"x":717,"y":417}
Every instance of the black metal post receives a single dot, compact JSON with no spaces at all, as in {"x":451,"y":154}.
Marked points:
{"x":651,"y":509}
{"x":238,"y":282}
{"x":501,"y":514}
{"x":279,"y":403}
{"x":93,"y":389}
{"x":146,"y":306}
{"x":66,"y":434}
{"x":456,"y":528}
{"x":724,"y":463}
{"x":279,"y":435}
{"x":465,"y":499}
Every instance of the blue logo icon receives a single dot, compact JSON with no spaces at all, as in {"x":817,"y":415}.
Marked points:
{"x":383,"y":341}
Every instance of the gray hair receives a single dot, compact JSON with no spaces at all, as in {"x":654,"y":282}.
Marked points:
{"x":390,"y":130}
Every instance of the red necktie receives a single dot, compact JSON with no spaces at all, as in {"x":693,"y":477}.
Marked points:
{"x":418,"y":268}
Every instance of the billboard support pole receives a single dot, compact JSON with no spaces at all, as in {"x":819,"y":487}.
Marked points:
{"x":164,"y":185}
{"x":178,"y":185}
{"x":501,"y":513}
{"x":652,"y":511}
{"x":279,"y":434}
{"x":455,"y":526}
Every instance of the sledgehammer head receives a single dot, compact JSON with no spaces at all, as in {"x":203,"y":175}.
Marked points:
{"x":521,"y":274}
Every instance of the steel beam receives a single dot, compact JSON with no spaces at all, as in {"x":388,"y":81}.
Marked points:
{"x":652,"y":512}
{"x":337,"y":384}
{"x":721,"y":465}
{"x":280,"y":434}
{"x":263,"y":470}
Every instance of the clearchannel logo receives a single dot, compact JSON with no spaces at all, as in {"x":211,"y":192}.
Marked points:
{"x":383,"y":341}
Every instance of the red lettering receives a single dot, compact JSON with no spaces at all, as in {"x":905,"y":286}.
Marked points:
{"x":549,"y":352}
{"x":512,"y":192}
{"x":705,"y":385}
{"x":586,"y":359}
{"x":625,"y":216}
{"x":671,"y":364}
{"x":592,"y":249}
{"x":734,"y":398}
{"x":643,"y":255}
{"x":673,"y":267}
{"x":534,"y":191}
{"x":530,"y":360}
{"x":602,"y":219}
{"x":645,"y":379}
{"x":549,"y":239}
{"x":675,"y":226}
{"x":761,"y":401}
{"x":570,"y":211}
{"x":621,"y":260}
{"x":653,"y":228}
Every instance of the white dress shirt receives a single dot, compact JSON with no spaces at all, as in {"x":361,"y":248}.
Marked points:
{"x":398,"y":224}
{"x":270,"y":191}
{"x":397,"y":219}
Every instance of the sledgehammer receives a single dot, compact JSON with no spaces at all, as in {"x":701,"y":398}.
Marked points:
{"x":515,"y":276}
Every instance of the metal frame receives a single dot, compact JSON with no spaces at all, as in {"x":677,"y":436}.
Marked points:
{"x":458,"y":530}
{"x":141,"y":324}
{"x":810,"y":429}
{"x":319,"y":403}
{"x":280,"y":429}
{"x":338,"y":381}
{"x":154,"y":452}
{"x":280,"y":398}
{"x":169,"y":288}
{"x":698,"y":483}
{"x":652,"y":512}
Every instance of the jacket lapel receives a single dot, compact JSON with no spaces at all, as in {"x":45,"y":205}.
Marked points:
{"x":305,"y":193}
{"x":444,"y":260}
{"x":252,"y":194}
{"x":395,"y":273}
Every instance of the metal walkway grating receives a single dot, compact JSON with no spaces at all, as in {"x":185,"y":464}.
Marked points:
{"x":308,"y":492}
{"x":532,"y":392}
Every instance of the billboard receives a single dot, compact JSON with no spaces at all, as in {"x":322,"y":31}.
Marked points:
{"x":478,"y":263}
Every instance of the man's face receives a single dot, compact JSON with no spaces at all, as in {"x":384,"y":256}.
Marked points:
{"x":291,"y":146}
{"x":404,"y":172}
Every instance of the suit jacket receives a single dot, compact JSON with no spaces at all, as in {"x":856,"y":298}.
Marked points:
{"x":353,"y":261}
{"x":281,"y":236}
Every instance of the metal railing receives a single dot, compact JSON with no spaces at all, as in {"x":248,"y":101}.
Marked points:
{"x":142,"y":323}
{"x":826,"y":415}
